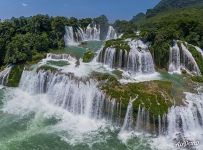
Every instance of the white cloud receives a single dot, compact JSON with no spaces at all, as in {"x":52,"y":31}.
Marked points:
{"x":24,"y":4}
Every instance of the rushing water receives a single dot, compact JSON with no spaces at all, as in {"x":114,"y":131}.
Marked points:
{"x":181,"y":58}
{"x":138,"y":61}
{"x":111,"y":34}
{"x":74,"y":36}
{"x":4,"y":75}
{"x":53,"y":111}
{"x":67,"y":110}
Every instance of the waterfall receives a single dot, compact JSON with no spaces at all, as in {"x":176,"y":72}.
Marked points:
{"x":74,"y":36}
{"x":189,"y":62}
{"x":92,"y":33}
{"x":69,"y":36}
{"x":143,"y":120}
{"x":187,"y":121}
{"x":109,"y":57}
{"x":137,"y":61}
{"x":70,"y":93}
{"x":140,"y":59}
{"x":111,"y":34}
{"x":181,"y":58}
{"x":4,"y":75}
{"x":174,"y":60}
{"x":128,"y":121}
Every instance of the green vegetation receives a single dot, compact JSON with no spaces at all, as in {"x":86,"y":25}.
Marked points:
{"x":197,"y":55}
{"x":28,"y":38}
{"x":47,"y":68}
{"x":88,"y":56}
{"x":169,"y":20}
{"x":123,"y":26}
{"x":184,"y":24}
{"x":155,"y":96}
{"x":118,"y":44}
{"x":15,"y":75}
{"x":165,"y":5}
{"x":197,"y":79}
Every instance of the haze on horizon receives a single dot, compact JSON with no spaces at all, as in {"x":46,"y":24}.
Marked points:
{"x":113,"y":9}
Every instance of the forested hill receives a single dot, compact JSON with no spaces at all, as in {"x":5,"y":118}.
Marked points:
{"x":29,"y":38}
{"x":165,"y":5}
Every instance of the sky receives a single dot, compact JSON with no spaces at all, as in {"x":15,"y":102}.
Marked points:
{"x":113,"y":9}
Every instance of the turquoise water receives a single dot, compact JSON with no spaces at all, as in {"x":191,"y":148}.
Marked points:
{"x":78,"y":51}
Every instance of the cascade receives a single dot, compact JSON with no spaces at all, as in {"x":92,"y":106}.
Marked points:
{"x":77,"y":35}
{"x":128,"y":121}
{"x":189,"y":62}
{"x":143,"y":120}
{"x":137,"y":61}
{"x":181,"y":58}
{"x":92,"y":33}
{"x":187,"y":120}
{"x":69,"y":36}
{"x":70,"y":93}
{"x":140,"y":59}
{"x":111,"y":34}
{"x":4,"y":75}
{"x":174,"y":60}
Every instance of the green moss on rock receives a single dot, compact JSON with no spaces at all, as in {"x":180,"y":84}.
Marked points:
{"x":47,"y":68}
{"x":88,"y":56}
{"x":15,"y":75}
{"x":130,"y":35}
{"x":155,"y":96}
{"x":197,"y":79}
{"x":36,"y":58}
{"x":118,"y":44}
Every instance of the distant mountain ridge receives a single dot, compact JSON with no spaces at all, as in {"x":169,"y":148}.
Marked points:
{"x":165,"y":5}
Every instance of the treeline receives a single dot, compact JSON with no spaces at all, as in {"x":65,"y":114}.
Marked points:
{"x":27,"y":38}
{"x":183,"y":24}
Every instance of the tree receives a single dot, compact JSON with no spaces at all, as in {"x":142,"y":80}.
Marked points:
{"x":102,"y":21}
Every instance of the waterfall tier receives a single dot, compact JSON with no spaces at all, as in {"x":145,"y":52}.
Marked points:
{"x":92,"y":33}
{"x":187,"y":122}
{"x":137,"y":60}
{"x":111,"y":34}
{"x":70,"y":93}
{"x":74,"y":36}
{"x":181,"y":58}
{"x":181,"y":122}
{"x":4,"y":75}
{"x":128,"y":121}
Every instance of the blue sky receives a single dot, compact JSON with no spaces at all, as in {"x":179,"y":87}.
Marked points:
{"x":113,"y":9}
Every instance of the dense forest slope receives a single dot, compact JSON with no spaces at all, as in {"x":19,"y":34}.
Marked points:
{"x":168,"y":21}
{"x":28,"y":38}
{"x":184,"y":24}
{"x":165,"y":5}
